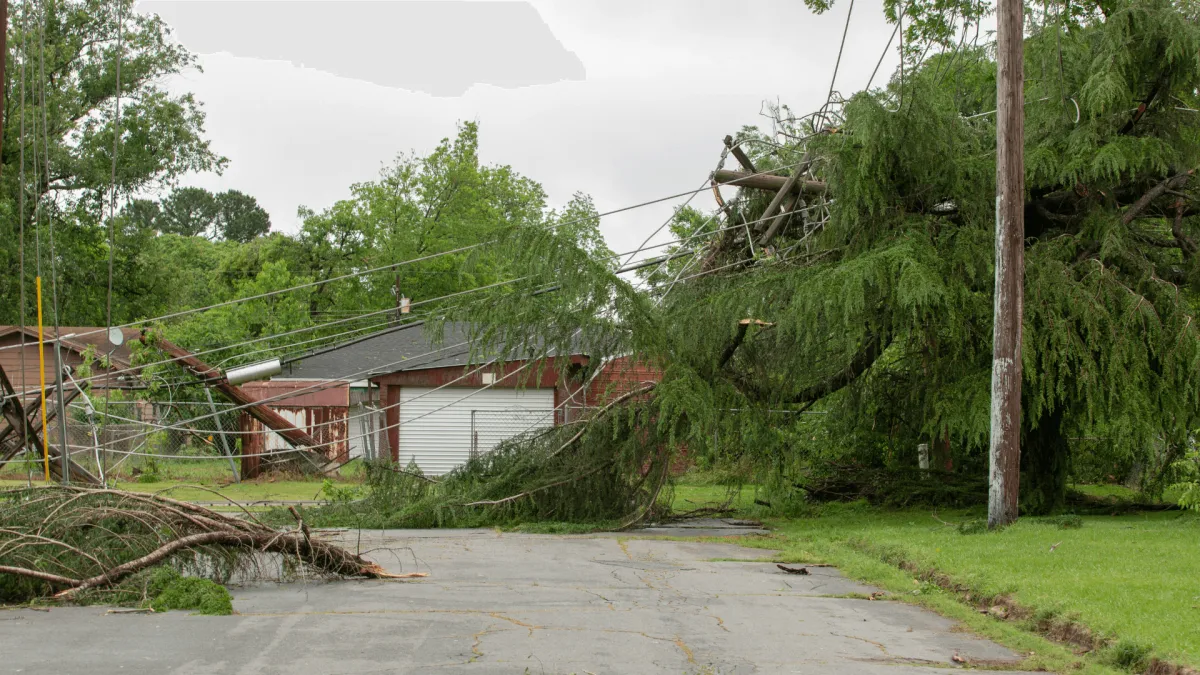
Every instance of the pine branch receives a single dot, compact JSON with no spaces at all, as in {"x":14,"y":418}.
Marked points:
{"x":1186,"y":244}
{"x":738,"y":338}
{"x":1141,"y":109}
{"x":870,"y":352}
{"x":862,"y":361}
{"x":1176,"y":181}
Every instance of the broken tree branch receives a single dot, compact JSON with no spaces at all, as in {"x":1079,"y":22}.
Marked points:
{"x":740,"y":155}
{"x":611,"y":404}
{"x":1176,"y":181}
{"x":1186,"y":244}
{"x":49,"y":527}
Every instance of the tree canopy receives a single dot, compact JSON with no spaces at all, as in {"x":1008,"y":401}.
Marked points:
{"x":872,"y":302}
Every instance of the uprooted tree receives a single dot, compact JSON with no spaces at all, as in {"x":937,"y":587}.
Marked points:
{"x":859,"y":285}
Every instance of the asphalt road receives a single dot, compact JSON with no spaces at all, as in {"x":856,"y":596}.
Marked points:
{"x":516,"y":603}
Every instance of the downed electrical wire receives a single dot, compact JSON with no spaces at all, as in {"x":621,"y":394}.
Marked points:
{"x":67,"y":543}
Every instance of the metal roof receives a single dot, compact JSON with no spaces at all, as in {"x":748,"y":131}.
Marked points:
{"x":399,"y":348}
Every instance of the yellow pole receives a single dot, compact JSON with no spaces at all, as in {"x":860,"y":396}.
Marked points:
{"x":42,"y":379}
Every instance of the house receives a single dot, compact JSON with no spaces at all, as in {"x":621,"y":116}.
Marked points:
{"x":19,"y":356}
{"x":396,"y":394}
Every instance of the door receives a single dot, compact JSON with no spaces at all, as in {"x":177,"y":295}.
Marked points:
{"x":440,"y":428}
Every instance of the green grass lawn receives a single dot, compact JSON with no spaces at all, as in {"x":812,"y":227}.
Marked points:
{"x":246,"y":494}
{"x":692,"y":497}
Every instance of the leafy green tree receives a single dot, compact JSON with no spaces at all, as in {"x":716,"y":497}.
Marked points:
{"x":75,"y":44}
{"x":434,"y":213}
{"x":188,"y":211}
{"x":240,"y":218}
{"x":140,"y":215}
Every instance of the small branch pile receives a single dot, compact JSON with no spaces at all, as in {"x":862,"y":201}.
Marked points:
{"x":63,"y":541}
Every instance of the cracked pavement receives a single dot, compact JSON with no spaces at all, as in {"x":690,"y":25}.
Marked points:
{"x":517,"y":603}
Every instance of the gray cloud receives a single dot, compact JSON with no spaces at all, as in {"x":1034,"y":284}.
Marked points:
{"x":666,"y":80}
{"x":439,"y":48}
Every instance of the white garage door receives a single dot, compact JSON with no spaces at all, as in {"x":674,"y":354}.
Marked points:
{"x":440,"y":428}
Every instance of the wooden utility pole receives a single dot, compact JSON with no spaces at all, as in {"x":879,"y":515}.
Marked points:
{"x":3,"y":59}
{"x":1004,"y":479}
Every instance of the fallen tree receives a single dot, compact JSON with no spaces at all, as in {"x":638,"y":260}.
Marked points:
{"x":61,"y":542}
{"x":609,"y":470}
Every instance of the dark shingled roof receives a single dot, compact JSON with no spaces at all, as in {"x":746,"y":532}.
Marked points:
{"x":406,"y":347}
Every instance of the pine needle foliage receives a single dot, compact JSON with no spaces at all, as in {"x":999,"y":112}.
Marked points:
{"x":609,"y":473}
{"x":881,"y":316}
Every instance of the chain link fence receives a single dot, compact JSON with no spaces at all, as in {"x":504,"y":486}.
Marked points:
{"x":129,"y":439}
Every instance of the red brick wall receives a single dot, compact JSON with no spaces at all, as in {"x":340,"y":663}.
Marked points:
{"x":620,"y":376}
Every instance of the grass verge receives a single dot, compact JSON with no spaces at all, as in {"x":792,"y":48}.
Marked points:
{"x":1120,"y":592}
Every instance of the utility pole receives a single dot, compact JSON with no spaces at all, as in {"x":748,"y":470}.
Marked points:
{"x":3,"y":58}
{"x":1005,"y":450}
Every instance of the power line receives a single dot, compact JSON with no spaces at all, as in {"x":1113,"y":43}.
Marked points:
{"x":373,"y":412}
{"x":21,"y":215}
{"x":112,"y":208}
{"x":392,"y":266}
{"x":132,"y":369}
{"x":340,"y":380}
{"x":881,"y":56}
{"x":841,"y":48}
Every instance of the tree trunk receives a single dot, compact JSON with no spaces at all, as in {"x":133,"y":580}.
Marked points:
{"x":942,"y":459}
{"x":1046,"y":456}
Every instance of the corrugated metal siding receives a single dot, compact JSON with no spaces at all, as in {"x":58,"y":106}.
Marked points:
{"x":436,"y":424}
{"x":329,"y":425}
{"x":320,"y":408}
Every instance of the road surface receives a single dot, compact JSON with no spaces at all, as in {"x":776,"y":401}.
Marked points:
{"x":517,"y":603}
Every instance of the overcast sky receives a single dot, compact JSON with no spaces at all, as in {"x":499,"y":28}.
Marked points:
{"x":627,"y":101}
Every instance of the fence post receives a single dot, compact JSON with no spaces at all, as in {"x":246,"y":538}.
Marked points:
{"x":221,"y":432}
{"x":368,"y":435}
{"x":62,"y":413}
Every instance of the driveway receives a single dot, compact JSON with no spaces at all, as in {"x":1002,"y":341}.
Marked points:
{"x":517,"y":603}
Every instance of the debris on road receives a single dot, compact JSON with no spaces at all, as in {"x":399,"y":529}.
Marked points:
{"x":63,"y":541}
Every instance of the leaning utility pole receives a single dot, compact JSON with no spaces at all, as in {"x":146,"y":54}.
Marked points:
{"x":1004,"y":479}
